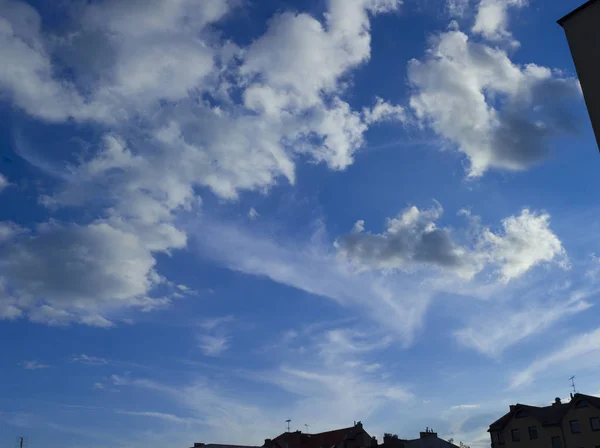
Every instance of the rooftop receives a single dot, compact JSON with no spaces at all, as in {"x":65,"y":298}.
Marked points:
{"x":546,"y":415}
{"x":323,"y":439}
{"x":575,"y":11}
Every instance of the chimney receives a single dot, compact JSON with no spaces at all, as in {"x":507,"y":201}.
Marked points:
{"x":571,"y":395}
{"x":267,"y":442}
{"x":512,"y":407}
{"x":428,"y":433}
{"x":557,"y":402}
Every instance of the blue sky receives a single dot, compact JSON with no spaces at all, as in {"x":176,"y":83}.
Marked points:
{"x":219,"y":215}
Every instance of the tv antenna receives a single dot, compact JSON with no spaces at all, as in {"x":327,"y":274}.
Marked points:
{"x":306,"y":427}
{"x":572,"y":379}
{"x":288,"y":424}
{"x":21,"y":442}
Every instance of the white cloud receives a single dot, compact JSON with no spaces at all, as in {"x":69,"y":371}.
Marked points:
{"x":170,"y":128}
{"x":491,"y":20}
{"x":526,"y":241}
{"x":34,"y":365}
{"x":582,"y":346}
{"x":384,"y":111}
{"x":303,"y":57}
{"x":299,"y":59}
{"x":28,"y":77}
{"x":499,"y":114}
{"x":412,"y":240}
{"x":98,"y":386}
{"x":130,"y":41}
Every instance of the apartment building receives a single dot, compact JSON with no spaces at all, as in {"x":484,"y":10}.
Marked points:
{"x":575,"y":424}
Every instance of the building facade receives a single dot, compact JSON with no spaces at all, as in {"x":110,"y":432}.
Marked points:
{"x":575,"y":424}
{"x":583,"y":34}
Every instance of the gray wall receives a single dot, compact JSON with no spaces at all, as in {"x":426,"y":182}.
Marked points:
{"x":583,"y":33}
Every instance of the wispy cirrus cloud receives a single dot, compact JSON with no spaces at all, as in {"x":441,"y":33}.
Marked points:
{"x":34,"y":365}
{"x":314,"y":389}
{"x":168,"y":418}
{"x":584,"y":347}
{"x":465,"y":406}
{"x":89,"y":360}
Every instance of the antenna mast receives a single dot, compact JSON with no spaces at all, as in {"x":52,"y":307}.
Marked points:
{"x":572,"y":379}
{"x":306,"y":427}
{"x":288,"y":424}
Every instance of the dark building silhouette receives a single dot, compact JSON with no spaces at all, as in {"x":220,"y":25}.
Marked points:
{"x":561,"y":425}
{"x":582,"y":28}
{"x":427,"y":439}
{"x":351,"y":437}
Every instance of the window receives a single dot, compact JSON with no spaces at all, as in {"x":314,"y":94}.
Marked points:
{"x":556,"y":442}
{"x":581,"y":404}
{"x":575,"y":427}
{"x":501,"y":438}
{"x":533,"y":432}
{"x":595,"y":423}
{"x":515,"y":435}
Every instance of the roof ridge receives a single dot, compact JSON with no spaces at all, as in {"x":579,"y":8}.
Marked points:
{"x":333,"y":430}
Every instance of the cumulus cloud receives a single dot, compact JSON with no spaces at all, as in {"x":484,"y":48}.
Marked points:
{"x":72,"y":273}
{"x":413,"y":240}
{"x":497,"y":113}
{"x":384,"y":111}
{"x":491,"y":20}
{"x":526,"y":241}
{"x":179,"y":108}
